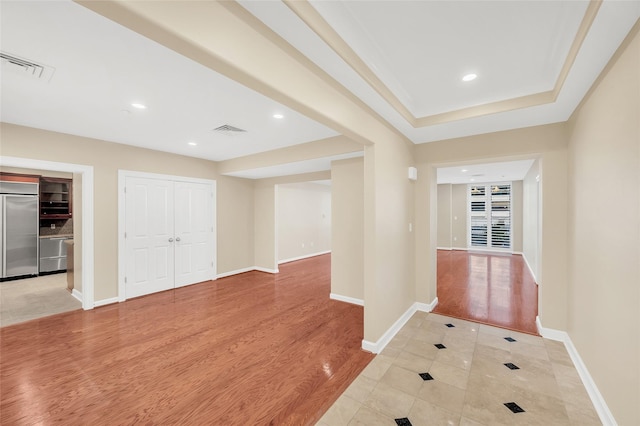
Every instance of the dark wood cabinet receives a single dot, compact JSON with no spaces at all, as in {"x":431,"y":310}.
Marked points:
{"x":56,"y":198}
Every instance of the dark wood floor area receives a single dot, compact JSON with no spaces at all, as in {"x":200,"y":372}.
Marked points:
{"x":495,"y":289}
{"x":252,"y":349}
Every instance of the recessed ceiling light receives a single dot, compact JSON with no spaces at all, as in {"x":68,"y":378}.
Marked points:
{"x":192,"y":143}
{"x":464,"y":170}
{"x":278,"y":116}
{"x":472,"y":180}
{"x":138,"y":105}
{"x":469,"y":77}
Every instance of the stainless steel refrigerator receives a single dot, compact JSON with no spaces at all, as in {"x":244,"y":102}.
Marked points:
{"x":19,"y":229}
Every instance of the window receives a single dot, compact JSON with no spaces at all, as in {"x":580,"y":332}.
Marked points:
{"x":490,"y":216}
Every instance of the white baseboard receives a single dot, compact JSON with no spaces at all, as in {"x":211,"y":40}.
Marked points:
{"x":550,"y":333}
{"x":382,"y":342}
{"x":75,"y":293}
{"x":479,"y":250}
{"x":267,"y":270}
{"x":103,"y":302}
{"x":247,"y":269}
{"x":346,"y":299}
{"x":306,"y":256}
{"x":606,"y":417}
{"x":427,"y":307}
{"x":526,"y":262}
{"x":236,"y":272}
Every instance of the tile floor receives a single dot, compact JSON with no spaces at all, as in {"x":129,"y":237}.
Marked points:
{"x":470,"y":384}
{"x":31,"y":298}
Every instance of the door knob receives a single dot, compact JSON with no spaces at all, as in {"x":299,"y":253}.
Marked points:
{"x":177,"y":238}
{"x":170,"y":240}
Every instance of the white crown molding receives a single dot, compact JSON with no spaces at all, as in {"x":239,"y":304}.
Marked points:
{"x":314,"y":20}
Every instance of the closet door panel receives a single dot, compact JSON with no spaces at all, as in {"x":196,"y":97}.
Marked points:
{"x":149,"y":244}
{"x":194,"y":233}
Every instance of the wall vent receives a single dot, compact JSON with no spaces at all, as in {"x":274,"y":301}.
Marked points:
{"x":16,"y":65}
{"x":226,"y":128}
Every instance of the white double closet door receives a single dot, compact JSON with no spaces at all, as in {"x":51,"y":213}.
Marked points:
{"x":169,"y":234}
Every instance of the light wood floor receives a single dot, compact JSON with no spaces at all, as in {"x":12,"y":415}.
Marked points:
{"x":494,"y":289}
{"x":252,"y":349}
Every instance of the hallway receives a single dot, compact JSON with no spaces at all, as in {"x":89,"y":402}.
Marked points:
{"x":495,"y":289}
{"x":443,"y":371}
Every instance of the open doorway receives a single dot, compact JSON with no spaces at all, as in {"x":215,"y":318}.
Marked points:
{"x":83,"y":218}
{"x":488,"y":242}
{"x":303,"y":220}
{"x":37,"y":278}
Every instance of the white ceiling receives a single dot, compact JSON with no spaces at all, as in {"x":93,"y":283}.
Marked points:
{"x":506,"y":171}
{"x":496,"y":39}
{"x":102,"y":67}
{"x":422,"y":49}
{"x":418,"y":49}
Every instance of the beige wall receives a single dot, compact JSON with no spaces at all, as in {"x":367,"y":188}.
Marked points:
{"x":459,"y":226}
{"x":388,"y":287}
{"x":604,"y":233}
{"x":106,"y":158}
{"x":445,"y":215}
{"x":235,"y":223}
{"x":347,"y":233}
{"x":265,"y":245}
{"x":328,"y":147}
{"x":548,"y":142}
{"x":303,"y":220}
{"x":531,"y":218}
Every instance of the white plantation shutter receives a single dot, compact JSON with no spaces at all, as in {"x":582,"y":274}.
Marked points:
{"x":501,"y":216}
{"x":478,"y":206}
{"x":490,"y":215}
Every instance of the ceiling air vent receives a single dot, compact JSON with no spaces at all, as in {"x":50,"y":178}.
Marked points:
{"x":226,"y":128}
{"x":16,"y":65}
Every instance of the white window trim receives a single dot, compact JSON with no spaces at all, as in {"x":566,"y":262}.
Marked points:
{"x":468,"y":208}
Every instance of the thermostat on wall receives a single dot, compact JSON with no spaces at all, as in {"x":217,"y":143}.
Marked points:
{"x":413,"y":173}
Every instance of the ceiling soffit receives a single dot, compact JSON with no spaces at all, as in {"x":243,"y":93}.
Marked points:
{"x":316,"y":22}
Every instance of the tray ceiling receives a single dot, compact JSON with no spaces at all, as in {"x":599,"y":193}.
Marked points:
{"x":534,"y":60}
